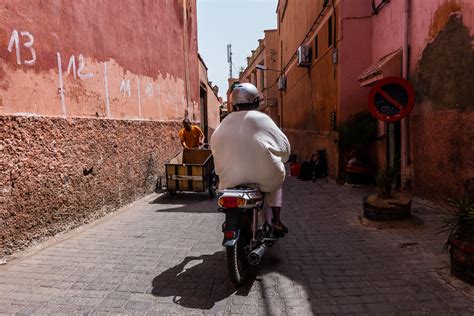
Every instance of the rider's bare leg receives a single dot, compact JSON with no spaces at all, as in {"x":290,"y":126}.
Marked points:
{"x":276,"y":210}
{"x":276,"y":203}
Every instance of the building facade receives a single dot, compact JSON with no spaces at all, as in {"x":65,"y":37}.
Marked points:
{"x":319,"y":93}
{"x":351,"y":45}
{"x":266,"y":75}
{"x":209,"y":102}
{"x":92,"y":94}
{"x":430,"y":44}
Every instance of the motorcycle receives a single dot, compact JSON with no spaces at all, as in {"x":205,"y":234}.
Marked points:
{"x":247,"y":232}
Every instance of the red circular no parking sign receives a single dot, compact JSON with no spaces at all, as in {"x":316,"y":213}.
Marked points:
{"x":391,"y":99}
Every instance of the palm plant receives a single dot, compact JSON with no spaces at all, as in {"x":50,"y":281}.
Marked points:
{"x":460,"y":223}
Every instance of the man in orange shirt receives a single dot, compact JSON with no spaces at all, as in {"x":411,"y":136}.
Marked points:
{"x":191,"y":136}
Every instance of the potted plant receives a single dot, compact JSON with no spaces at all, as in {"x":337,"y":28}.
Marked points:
{"x":355,"y":136}
{"x":387,"y":204}
{"x":460,"y":243}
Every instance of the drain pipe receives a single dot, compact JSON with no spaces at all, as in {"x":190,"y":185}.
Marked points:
{"x":406,"y":168}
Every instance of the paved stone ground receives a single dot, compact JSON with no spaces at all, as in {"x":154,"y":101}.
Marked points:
{"x":163,"y":255}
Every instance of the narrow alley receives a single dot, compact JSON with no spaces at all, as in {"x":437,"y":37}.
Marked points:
{"x":140,"y":140}
{"x":163,"y":255}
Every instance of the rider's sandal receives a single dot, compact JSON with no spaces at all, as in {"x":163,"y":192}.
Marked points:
{"x":279,"y":229}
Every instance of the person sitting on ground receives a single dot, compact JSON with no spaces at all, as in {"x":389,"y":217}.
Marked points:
{"x":249,"y":148}
{"x":315,"y":168}
{"x":306,"y":170}
{"x":320,"y":168}
{"x":190,"y":136}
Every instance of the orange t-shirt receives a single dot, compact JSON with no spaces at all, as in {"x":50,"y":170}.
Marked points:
{"x":191,"y":138}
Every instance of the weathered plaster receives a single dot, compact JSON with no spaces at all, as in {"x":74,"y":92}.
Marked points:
{"x":445,"y":72}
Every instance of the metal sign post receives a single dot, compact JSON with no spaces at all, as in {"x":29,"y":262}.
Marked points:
{"x":391,"y":143}
{"x":390,"y":100}
{"x":229,"y":59}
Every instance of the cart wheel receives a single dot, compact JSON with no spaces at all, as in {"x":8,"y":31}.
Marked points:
{"x":171,"y":193}
{"x":213,"y":185}
{"x":212,"y":192}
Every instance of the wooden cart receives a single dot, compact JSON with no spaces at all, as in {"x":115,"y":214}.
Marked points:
{"x":191,"y":170}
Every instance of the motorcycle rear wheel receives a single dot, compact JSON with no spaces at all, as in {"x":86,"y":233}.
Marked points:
{"x":237,"y":263}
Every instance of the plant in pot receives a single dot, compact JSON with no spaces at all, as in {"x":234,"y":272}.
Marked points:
{"x":355,"y":136}
{"x":460,"y":243}
{"x":387,"y":204}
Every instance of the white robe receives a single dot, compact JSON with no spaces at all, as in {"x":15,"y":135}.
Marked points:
{"x":249,"y":148}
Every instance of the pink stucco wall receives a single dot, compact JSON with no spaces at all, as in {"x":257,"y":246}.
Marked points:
{"x":425,"y":22}
{"x":213,"y":107}
{"x":354,"y":55}
{"x":138,"y":61}
{"x":212,"y":101}
{"x":387,"y":30}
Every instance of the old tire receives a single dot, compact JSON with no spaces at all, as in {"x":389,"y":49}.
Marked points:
{"x":237,"y":264}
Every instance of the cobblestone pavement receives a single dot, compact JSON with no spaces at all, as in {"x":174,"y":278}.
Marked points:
{"x":163,"y":255}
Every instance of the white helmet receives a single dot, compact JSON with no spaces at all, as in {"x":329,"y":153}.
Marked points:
{"x":245,"y":97}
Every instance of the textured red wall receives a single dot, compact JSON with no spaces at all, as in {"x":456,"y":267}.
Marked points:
{"x":445,"y":144}
{"x":56,"y":173}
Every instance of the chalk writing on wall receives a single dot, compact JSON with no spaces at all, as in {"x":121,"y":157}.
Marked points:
{"x":15,"y":41}
{"x":22,"y":42}
{"x":71,"y":65}
{"x":125,"y":87}
{"x":149,"y":89}
{"x":61,"y":85}
{"x":79,"y":73}
{"x":82,"y":65}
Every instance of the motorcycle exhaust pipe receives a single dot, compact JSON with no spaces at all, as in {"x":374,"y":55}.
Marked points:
{"x":256,"y":255}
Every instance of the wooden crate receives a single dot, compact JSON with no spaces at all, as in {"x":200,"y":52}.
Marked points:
{"x":190,"y":170}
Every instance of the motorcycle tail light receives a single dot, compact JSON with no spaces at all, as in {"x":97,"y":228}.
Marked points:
{"x":231,"y":201}
{"x":229,"y":235}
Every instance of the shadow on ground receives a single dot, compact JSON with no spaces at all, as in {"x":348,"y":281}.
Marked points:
{"x":185,"y":203}
{"x":181,"y":198}
{"x":198,"y":282}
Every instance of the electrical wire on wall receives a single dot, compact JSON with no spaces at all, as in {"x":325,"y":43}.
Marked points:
{"x":334,"y":40}
{"x":376,"y":8}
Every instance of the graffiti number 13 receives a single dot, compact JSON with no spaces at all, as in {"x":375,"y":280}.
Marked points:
{"x":15,"y":41}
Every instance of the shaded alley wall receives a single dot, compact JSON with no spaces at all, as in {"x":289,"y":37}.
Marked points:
{"x":210,"y":102}
{"x":312,"y":94}
{"x":91,"y":98}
